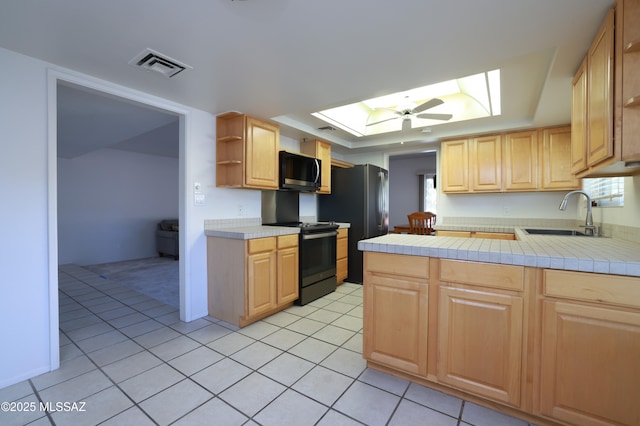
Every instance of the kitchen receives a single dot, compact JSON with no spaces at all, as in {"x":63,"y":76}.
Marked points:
{"x":425,"y":298}
{"x":229,"y":203}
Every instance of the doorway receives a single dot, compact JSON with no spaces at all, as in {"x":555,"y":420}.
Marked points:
{"x":156,"y":113}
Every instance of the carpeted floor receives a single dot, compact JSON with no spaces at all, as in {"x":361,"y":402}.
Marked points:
{"x":156,"y":277}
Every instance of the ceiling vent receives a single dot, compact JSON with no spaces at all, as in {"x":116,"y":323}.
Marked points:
{"x":330,"y":128}
{"x":150,"y":60}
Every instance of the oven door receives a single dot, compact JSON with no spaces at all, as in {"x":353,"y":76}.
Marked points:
{"x":317,"y":256}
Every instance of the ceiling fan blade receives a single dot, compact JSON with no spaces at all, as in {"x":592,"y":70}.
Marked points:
{"x":429,"y":104}
{"x":381,"y":121}
{"x":428,"y":116}
{"x":406,"y":124}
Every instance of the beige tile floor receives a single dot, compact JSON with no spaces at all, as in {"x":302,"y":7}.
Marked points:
{"x":127,"y":359}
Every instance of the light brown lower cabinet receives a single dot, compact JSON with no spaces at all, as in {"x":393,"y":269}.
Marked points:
{"x":342,"y":255}
{"x":396,"y":304}
{"x":590,"y":354}
{"x":480,"y":343}
{"x":554,"y":347}
{"x":287,"y":282}
{"x":251,"y":279}
{"x":261,"y":276}
{"x":590,"y":365}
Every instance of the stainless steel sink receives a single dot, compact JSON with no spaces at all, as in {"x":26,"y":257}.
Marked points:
{"x":566,"y":232}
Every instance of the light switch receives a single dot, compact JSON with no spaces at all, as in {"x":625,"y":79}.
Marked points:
{"x":198,"y":200}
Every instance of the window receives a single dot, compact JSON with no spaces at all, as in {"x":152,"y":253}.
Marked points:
{"x":428,"y":193}
{"x":605,"y":192}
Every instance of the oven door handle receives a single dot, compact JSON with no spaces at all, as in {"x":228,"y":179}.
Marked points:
{"x":319,"y":235}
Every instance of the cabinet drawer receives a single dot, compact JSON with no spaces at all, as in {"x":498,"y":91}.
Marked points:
{"x":397,"y":264}
{"x":287,"y":241}
{"x":258,"y":245}
{"x":463,"y":234}
{"x":617,"y":290}
{"x":343,"y":232}
{"x":491,"y":275}
{"x":494,"y":235}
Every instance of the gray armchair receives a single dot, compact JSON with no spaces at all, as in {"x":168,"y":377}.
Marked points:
{"x":167,"y":238}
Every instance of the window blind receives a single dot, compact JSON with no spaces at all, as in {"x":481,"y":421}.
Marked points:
{"x":606,"y":192}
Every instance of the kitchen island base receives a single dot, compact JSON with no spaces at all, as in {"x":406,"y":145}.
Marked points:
{"x":551,"y":347}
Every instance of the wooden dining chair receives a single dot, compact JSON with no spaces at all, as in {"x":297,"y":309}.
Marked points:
{"x":421,"y":223}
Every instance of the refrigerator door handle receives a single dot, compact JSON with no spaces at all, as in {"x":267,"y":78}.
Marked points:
{"x":381,"y":201}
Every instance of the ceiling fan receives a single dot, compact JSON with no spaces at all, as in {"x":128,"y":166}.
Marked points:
{"x":407,"y":111}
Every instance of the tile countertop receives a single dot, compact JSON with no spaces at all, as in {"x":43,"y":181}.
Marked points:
{"x":585,"y":254}
{"x":251,"y":232}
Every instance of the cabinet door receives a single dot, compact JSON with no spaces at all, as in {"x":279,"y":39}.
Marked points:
{"x":262,"y":144}
{"x":395,"y":323}
{"x":323,"y":152}
{"x":455,"y":166}
{"x":287,"y":279}
{"x":521,"y":161}
{"x":556,"y":159}
{"x":600,"y":94}
{"x":261,"y":282}
{"x":590,"y":369}
{"x":579,"y":120}
{"x":485,"y":163}
{"x":342,"y":253}
{"x":480,"y":343}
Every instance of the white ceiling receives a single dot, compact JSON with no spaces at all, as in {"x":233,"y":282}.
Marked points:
{"x":283,"y":59}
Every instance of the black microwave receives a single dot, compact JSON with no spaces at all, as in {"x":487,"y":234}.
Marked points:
{"x":299,"y":172}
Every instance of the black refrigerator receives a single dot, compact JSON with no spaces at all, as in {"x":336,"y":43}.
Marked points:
{"x":360,"y":196}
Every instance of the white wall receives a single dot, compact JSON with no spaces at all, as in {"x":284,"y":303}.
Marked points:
{"x":530,"y":205}
{"x":404,"y":192}
{"x":109,"y":203}
{"x":24,"y":292}
{"x":543,"y":205}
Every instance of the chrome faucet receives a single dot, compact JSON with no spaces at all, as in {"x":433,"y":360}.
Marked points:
{"x":589,"y":228}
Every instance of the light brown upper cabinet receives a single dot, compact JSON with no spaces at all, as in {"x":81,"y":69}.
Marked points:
{"x":606,"y":98}
{"x":556,"y":156}
{"x":485,"y":164}
{"x":246,"y":152}
{"x":322,"y":151}
{"x":521,"y":161}
{"x":533,"y":160}
{"x":455,"y":165}
{"x":600,"y":94}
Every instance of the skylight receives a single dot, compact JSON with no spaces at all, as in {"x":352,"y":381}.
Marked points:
{"x":466,"y":98}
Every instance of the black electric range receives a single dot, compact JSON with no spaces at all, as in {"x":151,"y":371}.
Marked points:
{"x":316,"y":258}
